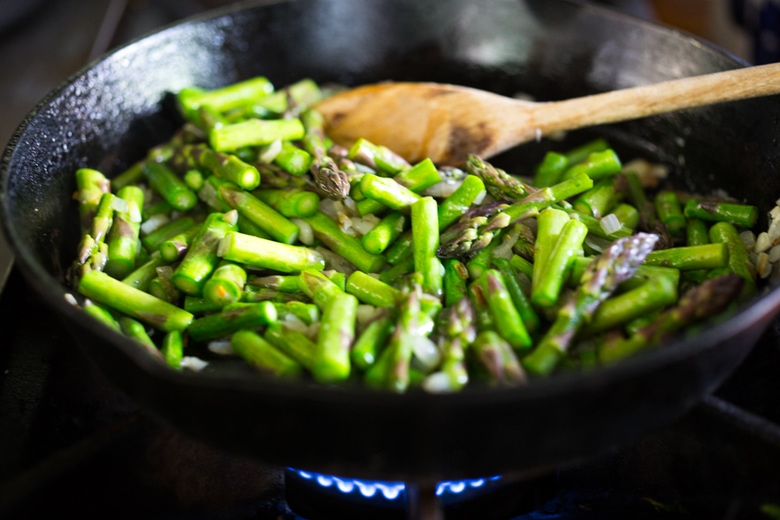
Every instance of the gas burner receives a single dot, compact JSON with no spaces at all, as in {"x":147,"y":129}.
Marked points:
{"x":316,"y":496}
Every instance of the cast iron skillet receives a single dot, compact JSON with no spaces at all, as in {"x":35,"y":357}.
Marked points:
{"x":110,"y":113}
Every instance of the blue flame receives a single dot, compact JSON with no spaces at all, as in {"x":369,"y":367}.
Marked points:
{"x":389,"y":490}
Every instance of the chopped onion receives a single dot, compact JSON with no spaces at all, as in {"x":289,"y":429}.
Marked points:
{"x":269,"y":152}
{"x":71,"y":299}
{"x":748,"y":239}
{"x":610,"y":224}
{"x":479,"y":198}
{"x":598,"y":244}
{"x":119,"y":205}
{"x":442,"y":189}
{"x":305,"y":232}
{"x":425,"y":352}
{"x":335,"y":261}
{"x":231,"y":217}
{"x":364,"y":224}
{"x":223,"y":348}
{"x":154,"y":223}
{"x":193,"y":363}
{"x":437,"y":383}
{"x":504,"y":249}
{"x":366,"y":314}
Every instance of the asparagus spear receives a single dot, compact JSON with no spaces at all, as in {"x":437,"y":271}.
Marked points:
{"x":744,"y":215}
{"x":476,"y":230}
{"x":499,"y":183}
{"x":392,"y":370}
{"x":337,"y":333}
{"x":201,"y":257}
{"x":259,"y":252}
{"x":102,"y":288}
{"x":91,"y":185}
{"x":231,"y":319}
{"x":498,"y":358}
{"x":425,"y":233}
{"x":456,"y":334}
{"x":601,"y":278}
{"x":697,"y":304}
{"x":172,"y":349}
{"x":328,"y":177}
{"x":123,"y":239}
{"x":263,"y":355}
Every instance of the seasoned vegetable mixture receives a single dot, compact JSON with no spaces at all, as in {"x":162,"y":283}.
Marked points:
{"x":251,"y":234}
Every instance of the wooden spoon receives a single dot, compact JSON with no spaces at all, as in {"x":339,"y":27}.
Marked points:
{"x":446,"y":122}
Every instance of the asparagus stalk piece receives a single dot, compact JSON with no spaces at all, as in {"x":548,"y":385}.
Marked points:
{"x":457,"y":333}
{"x":170,"y":187}
{"x":123,"y":239}
{"x":371,"y":290}
{"x":743,"y":215}
{"x":499,"y":183}
{"x":225,"y":284}
{"x":425,"y":232}
{"x":601,"y":278}
{"x":224,"y":98}
{"x":349,"y":247}
{"x":507,"y":319}
{"x":201,"y":257}
{"x":259,"y":213}
{"x":172,"y":349}
{"x":370,"y":342}
{"x":268,"y":254}
{"x":337,"y":333}
{"x":261,"y":354}
{"x":254,"y":132}
{"x":699,"y":303}
{"x":293,"y":343}
{"x":91,"y":184}
{"x":231,"y":319}
{"x":290,"y":202}
{"x":392,"y":370}
{"x":498,"y":358}
{"x":102,"y":288}
{"x":328,"y":177}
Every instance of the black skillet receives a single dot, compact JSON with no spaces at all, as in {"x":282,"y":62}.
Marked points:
{"x":112,"y":111}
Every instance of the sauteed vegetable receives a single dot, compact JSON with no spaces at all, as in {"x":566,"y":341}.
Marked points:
{"x":251,"y":234}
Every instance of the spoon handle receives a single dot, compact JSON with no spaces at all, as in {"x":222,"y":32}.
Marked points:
{"x":647,"y":100}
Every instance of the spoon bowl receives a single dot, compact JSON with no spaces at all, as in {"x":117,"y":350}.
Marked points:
{"x":446,"y":122}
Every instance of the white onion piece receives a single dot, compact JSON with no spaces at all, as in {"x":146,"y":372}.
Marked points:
{"x":598,"y":244}
{"x":269,"y":152}
{"x":610,"y":224}
{"x":366,"y":314}
{"x":305,"y":232}
{"x":193,"y":363}
{"x":504,"y":249}
{"x":221,"y":347}
{"x":231,"y":217}
{"x":437,"y":383}
{"x":119,"y":205}
{"x":480,"y":197}
{"x":335,"y":261}
{"x":425,"y":352}
{"x":442,"y":189}
{"x":154,"y":223}
{"x":364,"y":224}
